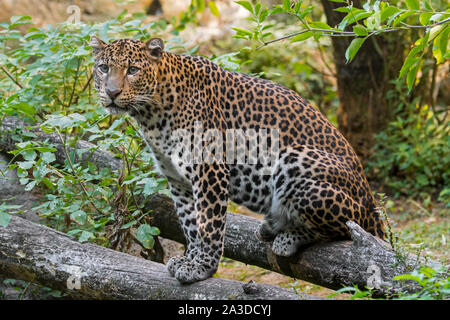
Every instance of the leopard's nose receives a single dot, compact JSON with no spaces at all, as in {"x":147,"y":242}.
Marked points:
{"x":113,"y":93}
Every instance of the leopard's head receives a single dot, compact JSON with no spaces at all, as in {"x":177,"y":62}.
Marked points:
{"x":125,"y":73}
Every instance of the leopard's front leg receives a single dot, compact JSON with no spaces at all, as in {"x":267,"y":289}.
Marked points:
{"x":185,"y":207}
{"x":210,"y":192}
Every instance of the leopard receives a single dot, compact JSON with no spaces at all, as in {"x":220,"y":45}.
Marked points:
{"x":312,"y":186}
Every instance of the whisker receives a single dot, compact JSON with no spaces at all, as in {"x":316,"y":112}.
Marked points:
{"x":146,"y":99}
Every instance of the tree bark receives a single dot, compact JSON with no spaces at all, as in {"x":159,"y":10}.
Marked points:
{"x":36,"y":253}
{"x":362,"y":84}
{"x":366,"y":260}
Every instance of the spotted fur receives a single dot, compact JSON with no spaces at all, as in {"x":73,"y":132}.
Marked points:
{"x":316,"y":184}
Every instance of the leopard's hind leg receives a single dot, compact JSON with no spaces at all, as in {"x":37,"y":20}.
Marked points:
{"x":287,"y":243}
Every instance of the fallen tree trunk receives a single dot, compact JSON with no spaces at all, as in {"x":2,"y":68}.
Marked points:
{"x":364,"y":261}
{"x":35,"y":253}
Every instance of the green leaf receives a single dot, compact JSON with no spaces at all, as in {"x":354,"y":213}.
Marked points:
{"x":360,"y":30}
{"x":353,"y":48}
{"x":257,"y":8}
{"x":26,"y":164}
{"x":30,"y":186}
{"x":145,"y":235}
{"x":29,"y":155}
{"x":410,"y":60}
{"x":388,"y":12}
{"x":427,"y":5}
{"x":129,"y":224}
{"x":85,"y":236}
{"x":246,"y":4}
{"x":45,"y":149}
{"x":320,"y":25}
{"x":406,"y":277}
{"x":297,"y":6}
{"x":374,"y":21}
{"x":23,"y":145}
{"x":263,"y":14}
{"x":434,"y":32}
{"x":440,"y":45}
{"x":25,"y":108}
{"x":5,"y":218}
{"x":276,"y":10}
{"x":421,"y":179}
{"x":413,"y":4}
{"x":78,"y":216}
{"x":48,"y":157}
{"x":64,"y":122}
{"x":213,"y":8}
{"x":342,"y":9}
{"x":424,"y":18}
{"x":74,"y":232}
{"x":19,"y":21}
{"x":200,"y":5}
{"x":242,"y":32}
{"x":154,"y":231}
{"x":411,"y":77}
{"x":302,"y":67}
{"x":402,"y":17}
{"x":151,"y":186}
{"x":302,"y":36}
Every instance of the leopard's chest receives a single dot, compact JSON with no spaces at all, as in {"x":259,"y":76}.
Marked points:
{"x":167,"y":158}
{"x":247,"y":186}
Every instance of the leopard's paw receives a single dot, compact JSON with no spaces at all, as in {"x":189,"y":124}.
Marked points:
{"x":190,"y":272}
{"x":175,"y":263}
{"x":285,"y":244}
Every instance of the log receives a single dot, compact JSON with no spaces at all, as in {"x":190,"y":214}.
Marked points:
{"x":36,"y":253}
{"x":363,"y":261}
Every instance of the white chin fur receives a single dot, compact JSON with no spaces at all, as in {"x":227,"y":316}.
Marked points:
{"x":115,"y":110}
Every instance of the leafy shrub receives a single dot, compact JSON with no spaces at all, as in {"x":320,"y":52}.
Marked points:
{"x":425,"y":283}
{"x":374,"y":18}
{"x":434,"y":284}
{"x":411,"y":155}
{"x":47,"y":78}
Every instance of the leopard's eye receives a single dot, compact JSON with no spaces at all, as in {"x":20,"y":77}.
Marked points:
{"x":133,"y":70}
{"x":103,"y":68}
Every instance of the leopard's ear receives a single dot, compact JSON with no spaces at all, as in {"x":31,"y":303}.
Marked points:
{"x":96,"y":44}
{"x":156,"y":47}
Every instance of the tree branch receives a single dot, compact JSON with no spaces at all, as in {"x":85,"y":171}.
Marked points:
{"x":9,"y":75}
{"x":35,"y":253}
{"x":337,"y":33}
